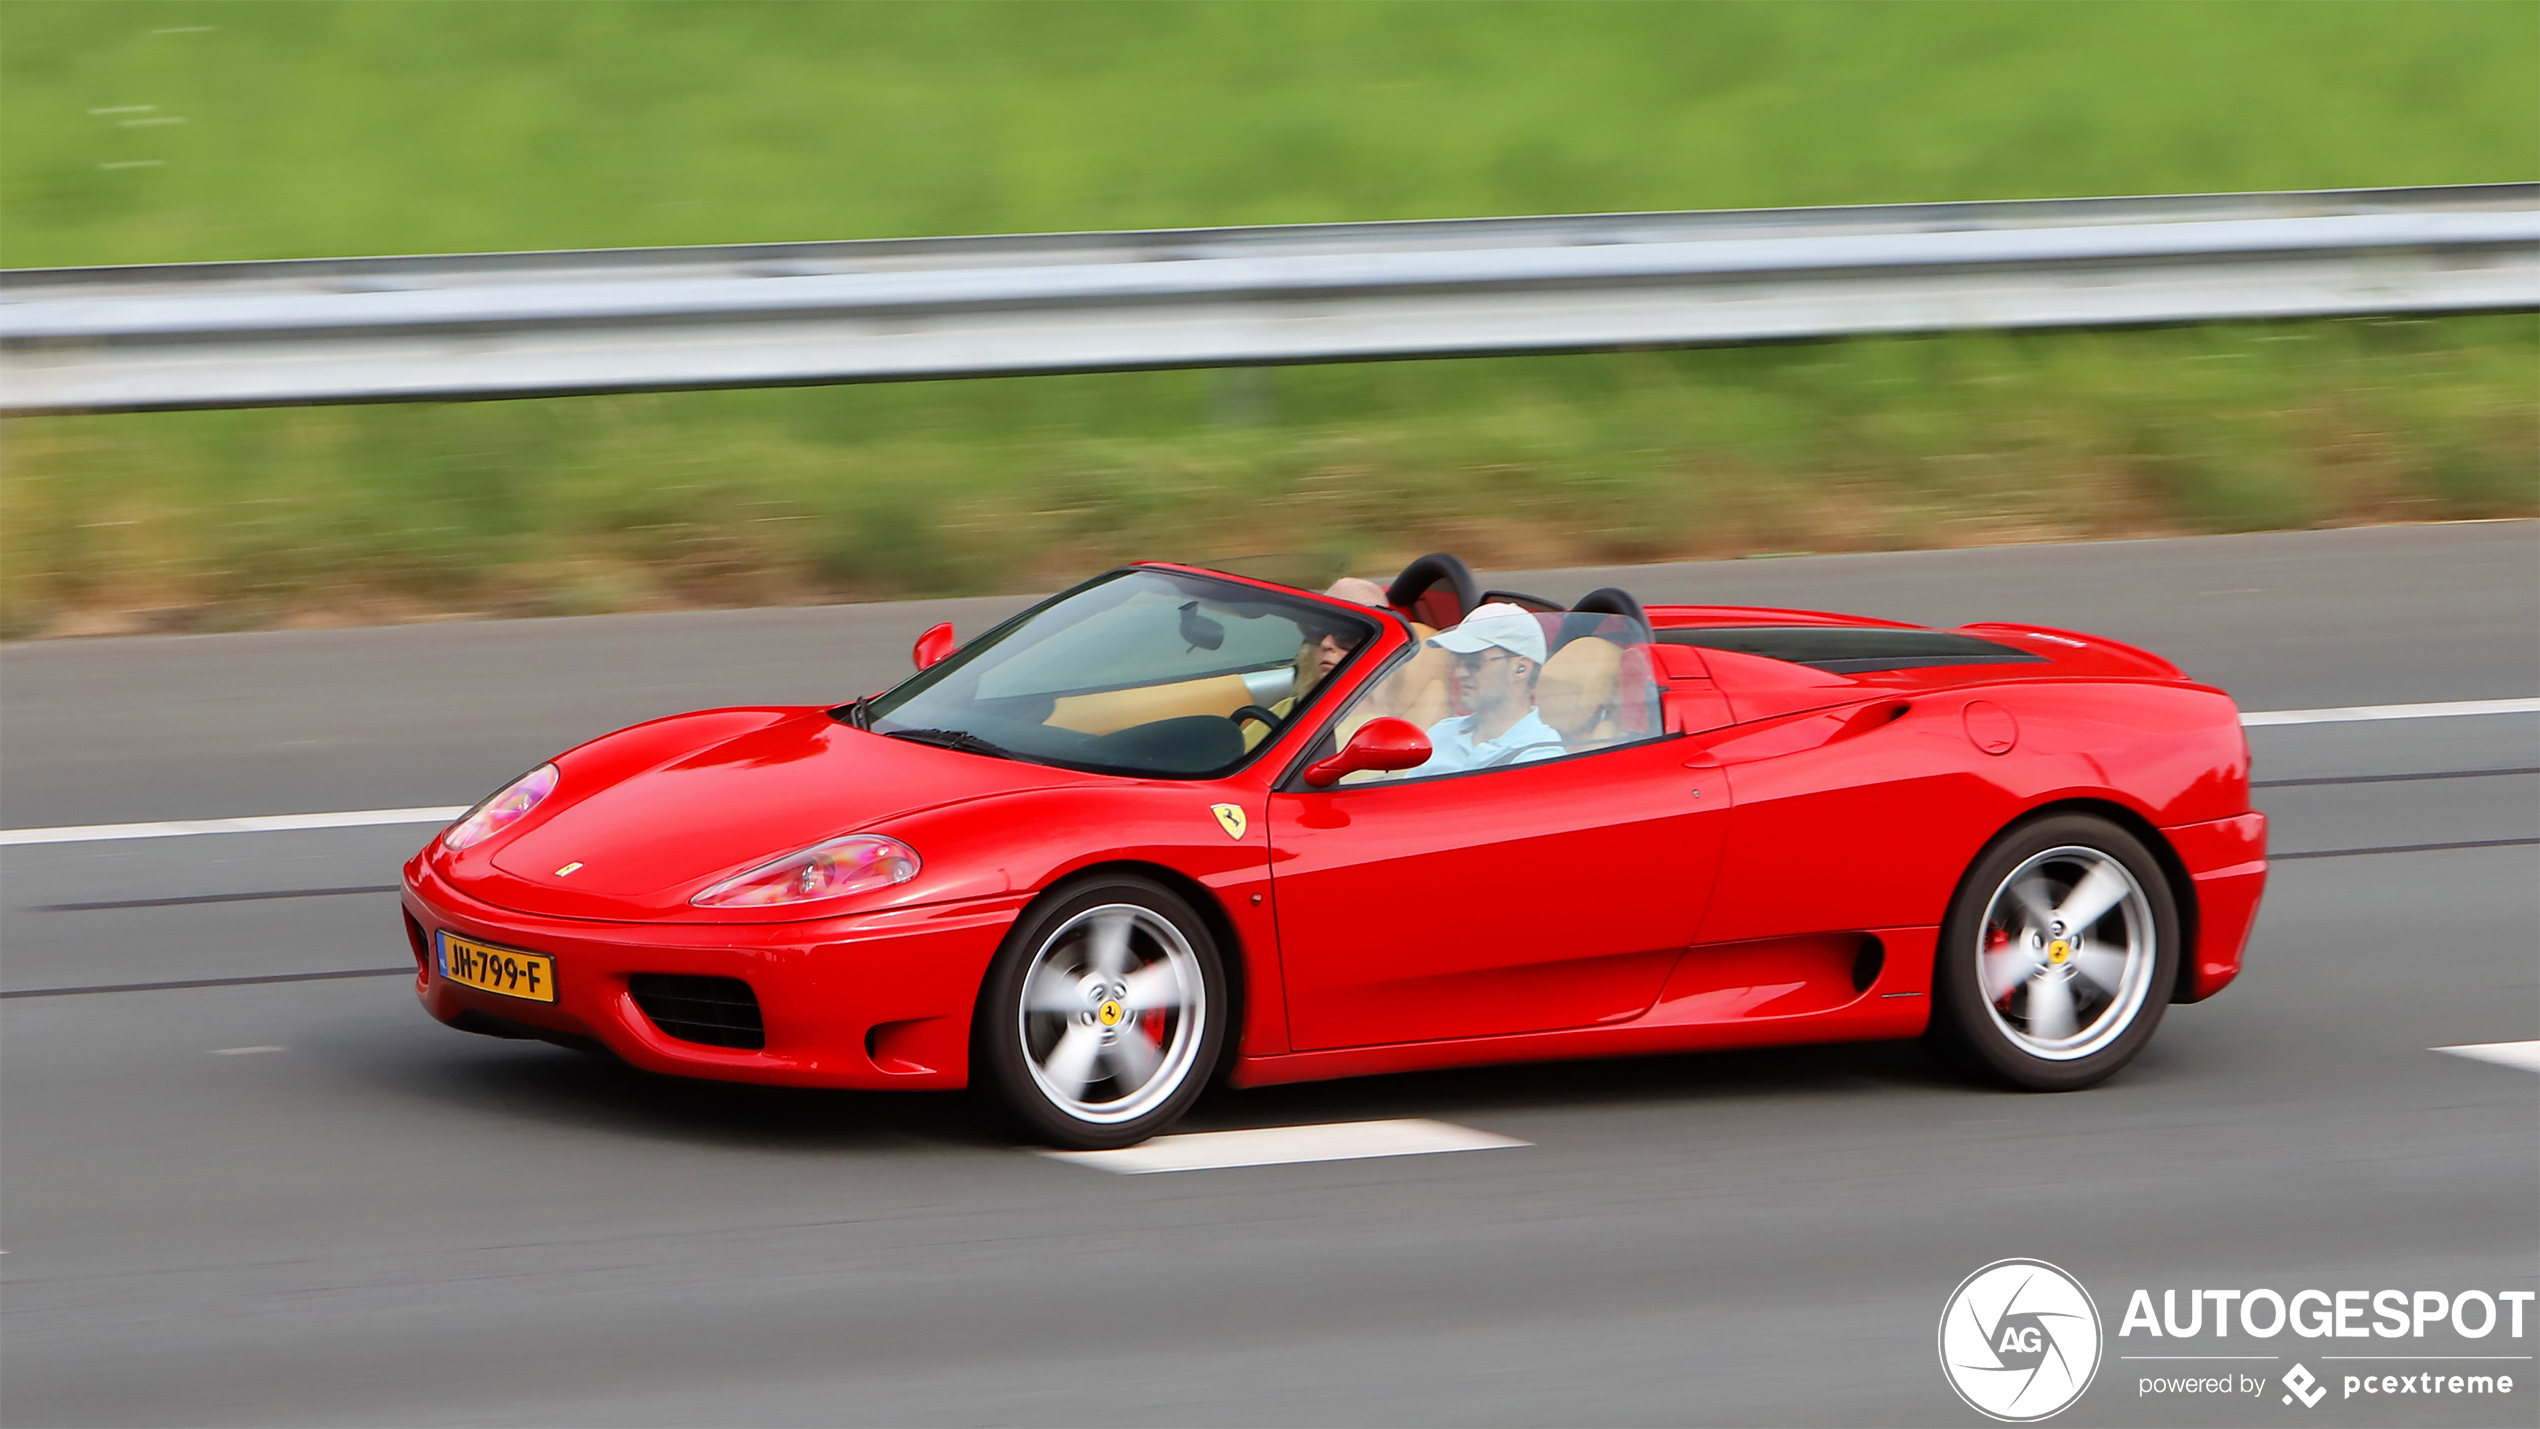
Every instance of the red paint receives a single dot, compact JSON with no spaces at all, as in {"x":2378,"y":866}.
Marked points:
{"x":1709,"y":889}
{"x":1991,"y":727}
{"x":1382,"y":744}
{"x":2229,"y":857}
{"x":1513,"y":900}
{"x":933,"y":646}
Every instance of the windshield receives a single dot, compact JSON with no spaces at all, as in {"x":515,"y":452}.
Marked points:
{"x":1141,"y":672}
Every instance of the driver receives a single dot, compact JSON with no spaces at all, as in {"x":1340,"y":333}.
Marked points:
{"x":1321,"y":653}
{"x":1498,"y":653}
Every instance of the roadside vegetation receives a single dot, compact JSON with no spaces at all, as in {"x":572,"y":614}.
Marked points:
{"x":155,"y":132}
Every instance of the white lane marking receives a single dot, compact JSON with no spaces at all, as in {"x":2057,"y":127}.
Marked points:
{"x":244,"y":1051}
{"x":362,"y":818}
{"x":1287,"y":1145}
{"x":263,"y":824}
{"x":2353,"y":713}
{"x":2525,"y":1055}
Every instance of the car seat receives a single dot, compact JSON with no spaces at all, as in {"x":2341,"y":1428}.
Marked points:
{"x":1415,"y":690}
{"x":1596,"y":687}
{"x":1610,"y":600}
{"x":1575,"y":693}
{"x":1436,"y":590}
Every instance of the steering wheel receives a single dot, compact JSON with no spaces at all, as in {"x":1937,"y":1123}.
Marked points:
{"x":1254,"y":712}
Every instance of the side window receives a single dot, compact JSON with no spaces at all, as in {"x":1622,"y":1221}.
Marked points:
{"x":1598,"y":689}
{"x":1497,"y":706}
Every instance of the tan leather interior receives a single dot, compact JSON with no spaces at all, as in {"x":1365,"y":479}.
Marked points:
{"x":1575,"y":694}
{"x":1112,"y":710}
{"x":1416,"y":691}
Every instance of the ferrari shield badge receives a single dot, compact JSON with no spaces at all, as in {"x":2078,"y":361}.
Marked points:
{"x":1231,"y":817}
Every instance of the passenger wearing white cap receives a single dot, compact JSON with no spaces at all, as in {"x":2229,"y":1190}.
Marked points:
{"x":1498,"y":653}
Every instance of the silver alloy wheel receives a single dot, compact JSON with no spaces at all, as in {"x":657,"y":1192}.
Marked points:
{"x":2066,"y":953}
{"x":1113,"y":1008}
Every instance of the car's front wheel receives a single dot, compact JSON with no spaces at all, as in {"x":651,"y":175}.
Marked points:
{"x":1103,"y":1017}
{"x":2057,"y":956}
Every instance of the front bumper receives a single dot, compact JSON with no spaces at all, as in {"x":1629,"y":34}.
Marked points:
{"x":2226,"y":860}
{"x":878,"y":1000}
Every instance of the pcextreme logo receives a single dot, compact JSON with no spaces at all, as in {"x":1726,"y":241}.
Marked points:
{"x":2019,"y":1340}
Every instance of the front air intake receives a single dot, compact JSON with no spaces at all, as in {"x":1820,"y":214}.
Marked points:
{"x":718,"y":1011}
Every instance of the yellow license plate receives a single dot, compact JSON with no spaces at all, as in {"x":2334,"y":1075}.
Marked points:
{"x":508,"y":971}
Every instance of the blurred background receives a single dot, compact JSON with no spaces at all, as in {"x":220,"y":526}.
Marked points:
{"x":153,"y":133}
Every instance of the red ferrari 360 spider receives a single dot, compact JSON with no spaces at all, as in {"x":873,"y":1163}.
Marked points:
{"x":1177,"y":824}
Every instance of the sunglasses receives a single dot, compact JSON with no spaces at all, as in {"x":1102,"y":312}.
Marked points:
{"x":1479,"y":658}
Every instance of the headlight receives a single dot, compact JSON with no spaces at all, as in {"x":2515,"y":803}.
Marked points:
{"x":502,"y":811}
{"x":832,"y":870}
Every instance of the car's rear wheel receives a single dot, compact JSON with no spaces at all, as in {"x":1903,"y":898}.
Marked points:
{"x":1104,"y":1015}
{"x":2057,"y":956}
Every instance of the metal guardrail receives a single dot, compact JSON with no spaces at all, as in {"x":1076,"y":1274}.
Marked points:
{"x":543,"y":324}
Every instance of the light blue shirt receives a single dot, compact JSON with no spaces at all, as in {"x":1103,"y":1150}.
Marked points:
{"x":1452,"y":750}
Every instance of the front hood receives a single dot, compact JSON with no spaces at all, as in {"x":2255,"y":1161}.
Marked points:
{"x":641,"y":845}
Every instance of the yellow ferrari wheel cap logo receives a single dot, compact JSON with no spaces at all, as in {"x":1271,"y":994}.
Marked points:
{"x":2057,"y":951}
{"x":1111,"y":1013}
{"x":1231,"y":817}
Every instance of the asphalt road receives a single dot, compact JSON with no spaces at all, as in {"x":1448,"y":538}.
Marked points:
{"x":364,"y":1217}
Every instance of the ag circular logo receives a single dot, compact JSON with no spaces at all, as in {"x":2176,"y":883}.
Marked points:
{"x":2019,"y":1340}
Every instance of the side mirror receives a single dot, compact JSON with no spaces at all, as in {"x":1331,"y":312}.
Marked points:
{"x":1387,"y":744}
{"x":933,"y":646}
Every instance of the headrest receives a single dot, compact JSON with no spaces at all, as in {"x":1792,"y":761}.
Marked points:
{"x":1436,"y":589}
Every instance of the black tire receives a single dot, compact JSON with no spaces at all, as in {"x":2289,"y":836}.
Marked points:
{"x":2021,"y":998}
{"x":1056,"y":955}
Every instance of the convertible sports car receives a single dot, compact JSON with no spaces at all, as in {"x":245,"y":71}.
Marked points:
{"x":1178,"y":824}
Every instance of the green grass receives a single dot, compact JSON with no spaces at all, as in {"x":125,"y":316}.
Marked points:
{"x":327,"y":128}
{"x":240,"y":518}
{"x":315,"y":129}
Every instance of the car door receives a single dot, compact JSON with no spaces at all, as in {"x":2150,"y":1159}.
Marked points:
{"x":1859,"y":817}
{"x":1518,"y":899}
